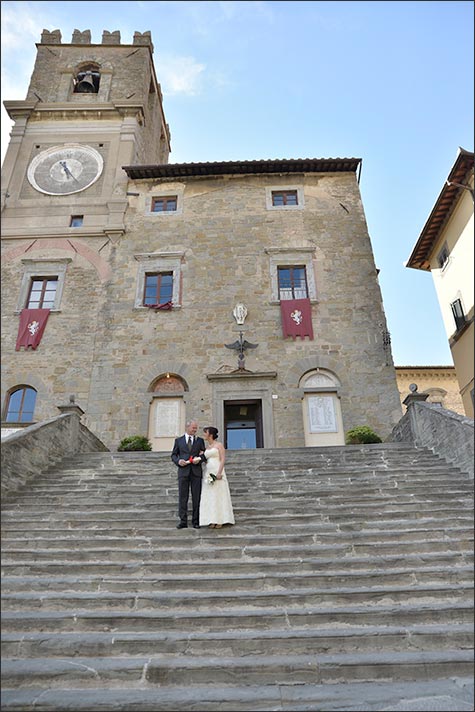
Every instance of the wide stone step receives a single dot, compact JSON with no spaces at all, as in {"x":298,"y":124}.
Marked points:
{"x":262,"y":618}
{"x":296,"y":500}
{"x":255,"y":514}
{"x":266,"y":481}
{"x":87,"y":541}
{"x":238,"y":581}
{"x":208,"y":600}
{"x":162,"y":553}
{"x":449,"y":694}
{"x":210,"y":567}
{"x":254,"y":669}
{"x":148,"y":526}
{"x":246,"y":642}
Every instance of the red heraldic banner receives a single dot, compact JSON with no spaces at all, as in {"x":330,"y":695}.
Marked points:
{"x":296,"y":318}
{"x":31,"y":327}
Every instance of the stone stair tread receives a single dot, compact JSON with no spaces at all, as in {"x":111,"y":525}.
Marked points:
{"x":171,"y":614}
{"x":94,"y":665}
{"x":68,"y":640}
{"x":218,"y":578}
{"x":449,"y":694}
{"x":213,"y":596}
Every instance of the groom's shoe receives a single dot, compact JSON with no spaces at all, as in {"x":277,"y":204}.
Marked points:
{"x":182,"y":526}
{"x":196,"y":526}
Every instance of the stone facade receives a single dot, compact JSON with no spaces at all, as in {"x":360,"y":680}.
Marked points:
{"x":439,"y":382}
{"x":223,"y":245}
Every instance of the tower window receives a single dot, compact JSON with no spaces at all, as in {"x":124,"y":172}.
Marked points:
{"x":164,"y":204}
{"x":284,"y":197}
{"x":42,"y":293}
{"x":76,"y":220}
{"x":292,"y":283}
{"x":158,"y":288}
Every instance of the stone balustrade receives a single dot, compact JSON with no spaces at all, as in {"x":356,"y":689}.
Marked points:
{"x":446,"y":433}
{"x":30,"y":451}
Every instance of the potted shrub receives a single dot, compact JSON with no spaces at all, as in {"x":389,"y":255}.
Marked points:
{"x":135,"y":442}
{"x":362,"y":434}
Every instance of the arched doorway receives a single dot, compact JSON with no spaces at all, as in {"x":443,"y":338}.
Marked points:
{"x":167,"y":412}
{"x":323,"y":423}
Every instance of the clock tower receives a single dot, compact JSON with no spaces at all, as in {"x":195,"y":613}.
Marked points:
{"x":90,"y":109}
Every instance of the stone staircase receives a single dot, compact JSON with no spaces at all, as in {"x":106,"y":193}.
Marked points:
{"x":346,"y":584}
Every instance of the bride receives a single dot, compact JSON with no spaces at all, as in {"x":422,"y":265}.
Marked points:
{"x":216,"y":508}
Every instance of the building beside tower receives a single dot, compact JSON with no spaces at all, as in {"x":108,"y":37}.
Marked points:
{"x":445,"y":249}
{"x":243,"y":294}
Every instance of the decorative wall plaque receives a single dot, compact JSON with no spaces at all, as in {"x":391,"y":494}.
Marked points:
{"x":321,"y":414}
{"x":167,"y":418}
{"x":240,"y":313}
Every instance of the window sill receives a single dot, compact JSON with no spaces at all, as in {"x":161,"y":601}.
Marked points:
{"x":17,"y":312}
{"x":139,"y":308}
{"x":278,"y":301}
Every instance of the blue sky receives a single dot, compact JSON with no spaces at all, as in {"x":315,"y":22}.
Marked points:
{"x":388,"y":82}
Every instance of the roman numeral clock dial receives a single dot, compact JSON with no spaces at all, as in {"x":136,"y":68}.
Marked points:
{"x":67,"y":169}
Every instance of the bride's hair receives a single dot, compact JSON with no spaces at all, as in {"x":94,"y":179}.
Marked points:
{"x":212,"y":431}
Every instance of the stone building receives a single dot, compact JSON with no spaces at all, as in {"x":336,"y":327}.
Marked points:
{"x":243,"y":294}
{"x":438,"y":382}
{"x":445,"y":249}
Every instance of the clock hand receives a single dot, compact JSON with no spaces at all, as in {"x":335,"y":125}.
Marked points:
{"x":67,"y":171}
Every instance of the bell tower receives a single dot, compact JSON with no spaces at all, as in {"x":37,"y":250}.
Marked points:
{"x":90,"y":109}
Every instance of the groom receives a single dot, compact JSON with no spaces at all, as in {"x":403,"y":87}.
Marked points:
{"x":186,"y":456}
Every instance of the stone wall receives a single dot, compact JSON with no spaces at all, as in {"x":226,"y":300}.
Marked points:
{"x":224,"y":238}
{"x":448,"y":434}
{"x":27,"y":453}
{"x":439,"y":382}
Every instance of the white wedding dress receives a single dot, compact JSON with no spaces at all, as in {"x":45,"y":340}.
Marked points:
{"x":215,"y":503}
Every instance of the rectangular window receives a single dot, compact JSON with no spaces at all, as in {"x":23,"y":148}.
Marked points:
{"x":292,"y":282}
{"x":164,"y":204}
{"x":459,"y":316}
{"x":443,"y":257}
{"x":42,"y":293}
{"x":284,"y":197}
{"x":158,"y":288}
{"x":76,"y":220}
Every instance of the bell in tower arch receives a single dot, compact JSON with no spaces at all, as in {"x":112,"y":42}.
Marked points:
{"x":87,"y":83}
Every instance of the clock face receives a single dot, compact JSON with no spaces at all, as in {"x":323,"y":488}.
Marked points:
{"x":67,"y":169}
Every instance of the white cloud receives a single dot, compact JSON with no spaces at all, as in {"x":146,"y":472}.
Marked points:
{"x":20,"y":22}
{"x":180,"y":75}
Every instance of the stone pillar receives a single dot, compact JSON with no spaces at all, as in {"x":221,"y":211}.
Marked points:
{"x":74,"y":410}
{"x":409,"y":400}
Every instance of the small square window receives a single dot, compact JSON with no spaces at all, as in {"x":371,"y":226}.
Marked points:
{"x":76,"y":221}
{"x":281,"y":198}
{"x":164,"y":204}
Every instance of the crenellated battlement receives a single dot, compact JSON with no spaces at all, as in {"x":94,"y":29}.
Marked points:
{"x":83,"y":37}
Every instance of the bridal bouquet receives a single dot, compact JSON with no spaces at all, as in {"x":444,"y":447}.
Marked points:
{"x":211,"y":478}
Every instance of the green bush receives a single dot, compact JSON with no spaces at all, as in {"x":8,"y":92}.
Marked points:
{"x":362,"y":434}
{"x":135,"y":442}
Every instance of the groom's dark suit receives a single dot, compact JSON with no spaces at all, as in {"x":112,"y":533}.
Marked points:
{"x":189,"y":477}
